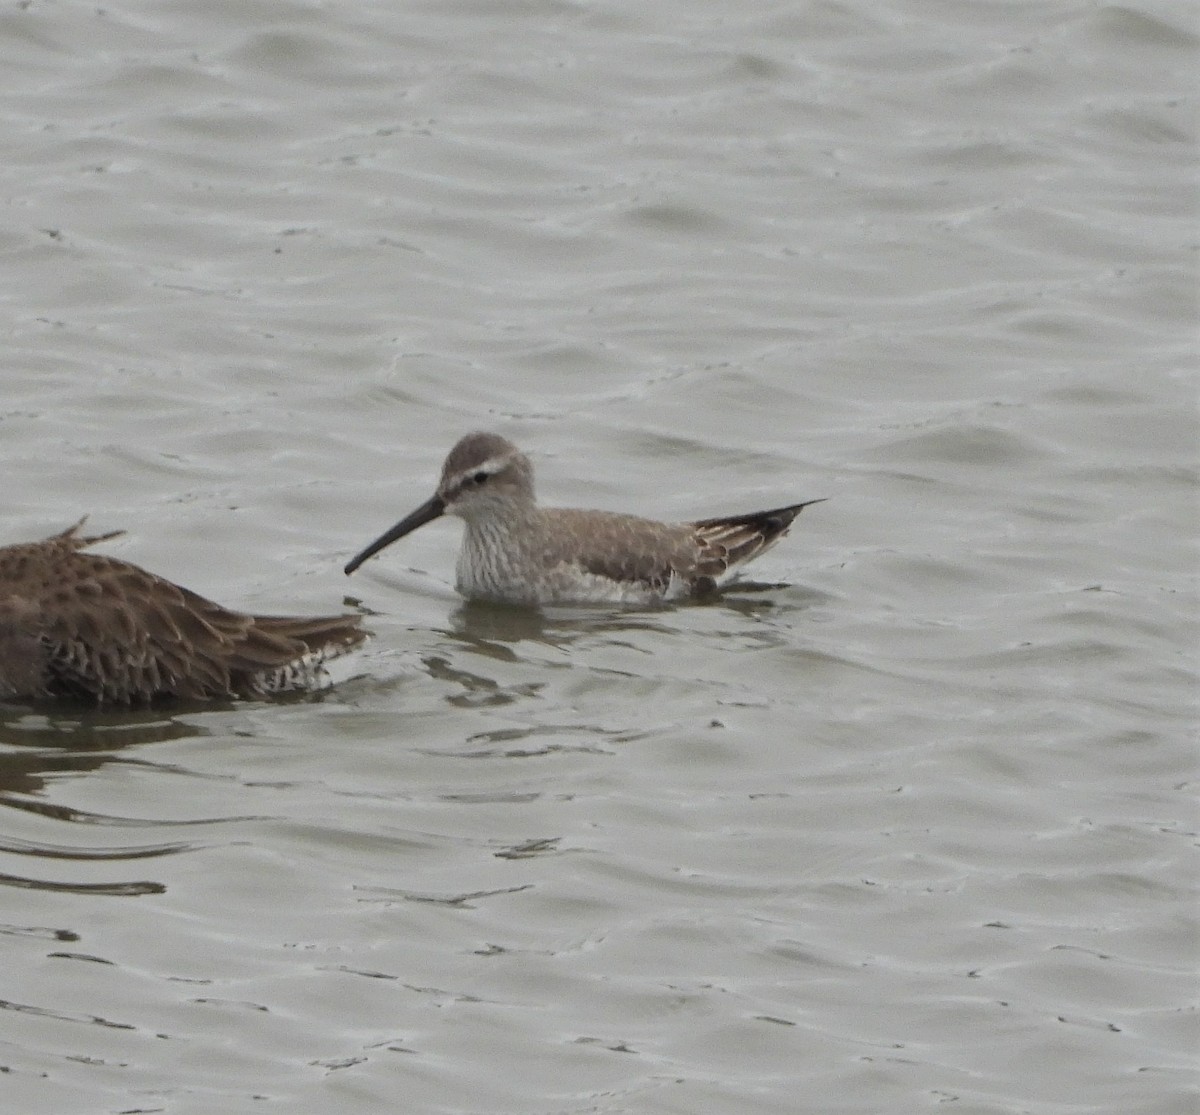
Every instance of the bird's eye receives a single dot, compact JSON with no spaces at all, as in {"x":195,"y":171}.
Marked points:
{"x":479,"y":477}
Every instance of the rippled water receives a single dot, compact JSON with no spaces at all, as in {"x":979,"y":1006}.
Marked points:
{"x":914,"y":829}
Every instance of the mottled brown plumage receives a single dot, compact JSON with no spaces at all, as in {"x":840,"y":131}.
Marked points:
{"x":518,"y":552}
{"x":84,"y":626}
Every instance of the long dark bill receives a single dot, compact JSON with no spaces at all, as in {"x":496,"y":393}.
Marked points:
{"x":427,"y":512}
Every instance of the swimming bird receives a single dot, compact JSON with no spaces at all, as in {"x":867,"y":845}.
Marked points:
{"x":517,"y":552}
{"x":87,"y":627}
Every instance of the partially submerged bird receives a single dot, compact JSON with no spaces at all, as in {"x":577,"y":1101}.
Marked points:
{"x":88,"y":627}
{"x":520,"y":553}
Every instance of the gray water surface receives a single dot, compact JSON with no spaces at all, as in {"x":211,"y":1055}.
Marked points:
{"x":913,"y":831}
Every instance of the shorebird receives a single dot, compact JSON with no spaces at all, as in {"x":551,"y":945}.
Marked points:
{"x":517,"y":552}
{"x":87,"y":627}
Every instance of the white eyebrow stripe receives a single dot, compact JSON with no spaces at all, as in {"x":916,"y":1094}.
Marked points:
{"x":491,"y":467}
